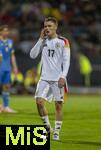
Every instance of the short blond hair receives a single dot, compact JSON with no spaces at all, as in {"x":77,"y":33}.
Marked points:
{"x":52,"y":19}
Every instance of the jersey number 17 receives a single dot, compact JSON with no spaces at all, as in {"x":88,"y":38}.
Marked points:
{"x":51,"y":52}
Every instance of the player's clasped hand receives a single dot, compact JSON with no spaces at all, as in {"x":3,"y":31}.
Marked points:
{"x":42,"y":35}
{"x":61,"y":82}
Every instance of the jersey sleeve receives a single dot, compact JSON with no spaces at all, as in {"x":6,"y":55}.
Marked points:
{"x":66,"y":58}
{"x":36,"y":49}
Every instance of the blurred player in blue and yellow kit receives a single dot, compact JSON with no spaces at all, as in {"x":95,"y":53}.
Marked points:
{"x":7,"y":61}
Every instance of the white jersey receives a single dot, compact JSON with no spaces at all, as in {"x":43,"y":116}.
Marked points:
{"x":55,"y":57}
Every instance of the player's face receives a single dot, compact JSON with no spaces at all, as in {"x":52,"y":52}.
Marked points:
{"x":50,"y":28}
{"x":5,"y":33}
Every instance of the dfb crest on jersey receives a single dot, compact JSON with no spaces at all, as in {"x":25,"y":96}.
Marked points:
{"x":57,"y":45}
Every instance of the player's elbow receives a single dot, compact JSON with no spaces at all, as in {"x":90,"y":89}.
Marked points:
{"x":31,"y":54}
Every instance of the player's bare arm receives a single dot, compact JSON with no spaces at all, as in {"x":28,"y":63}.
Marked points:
{"x":14,"y":64}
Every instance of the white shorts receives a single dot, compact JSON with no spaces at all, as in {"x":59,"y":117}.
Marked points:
{"x":49,"y":91}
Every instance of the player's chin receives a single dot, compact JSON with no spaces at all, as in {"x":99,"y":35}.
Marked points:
{"x":49,"y":34}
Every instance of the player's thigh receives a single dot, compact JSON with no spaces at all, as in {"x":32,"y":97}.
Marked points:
{"x":58,"y":92}
{"x":42,"y":89}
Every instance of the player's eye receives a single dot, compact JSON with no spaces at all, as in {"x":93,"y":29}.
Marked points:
{"x":45,"y":26}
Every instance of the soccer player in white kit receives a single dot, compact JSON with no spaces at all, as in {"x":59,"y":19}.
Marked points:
{"x":55,"y":60}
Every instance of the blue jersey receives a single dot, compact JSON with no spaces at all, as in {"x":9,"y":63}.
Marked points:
{"x":6,"y":49}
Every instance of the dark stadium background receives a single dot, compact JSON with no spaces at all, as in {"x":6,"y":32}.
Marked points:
{"x":79,"y":21}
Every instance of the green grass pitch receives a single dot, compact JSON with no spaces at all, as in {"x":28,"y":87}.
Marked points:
{"x":81,"y":128}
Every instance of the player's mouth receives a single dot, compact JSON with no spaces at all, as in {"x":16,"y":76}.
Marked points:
{"x":47,"y":32}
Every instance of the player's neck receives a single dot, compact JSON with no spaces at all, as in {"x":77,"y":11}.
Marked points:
{"x":53,"y":36}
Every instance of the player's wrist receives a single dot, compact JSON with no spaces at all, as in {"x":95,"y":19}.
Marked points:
{"x":40,"y":39}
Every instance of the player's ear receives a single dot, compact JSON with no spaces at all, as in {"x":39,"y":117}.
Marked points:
{"x":55,"y":27}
